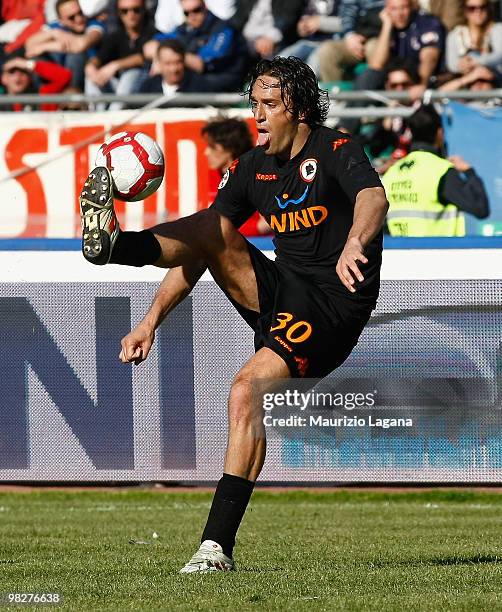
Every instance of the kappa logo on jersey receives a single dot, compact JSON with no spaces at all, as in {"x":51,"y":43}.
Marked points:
{"x":266,"y":177}
{"x":339,"y":142}
{"x":308,"y":169}
{"x":289,"y":201}
{"x":224,"y":179}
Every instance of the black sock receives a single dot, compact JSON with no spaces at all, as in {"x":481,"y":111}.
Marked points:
{"x":136,"y":249}
{"x":229,"y":504}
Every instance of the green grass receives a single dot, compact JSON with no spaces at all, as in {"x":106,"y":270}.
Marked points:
{"x":350,"y":551}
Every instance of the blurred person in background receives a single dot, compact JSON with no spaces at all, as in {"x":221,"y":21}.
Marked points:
{"x":69,"y":41}
{"x":169,"y":13}
{"x":226,"y":140}
{"x":18,"y":77}
{"x":21,"y":19}
{"x":449,"y":12}
{"x":479,"y":78}
{"x":213,"y":48}
{"x":267,"y":25}
{"x":478,"y":42}
{"x":427,"y":193}
{"x":389,"y":138}
{"x":409,"y":34}
{"x":360,"y":27}
{"x":119,"y":65}
{"x":172,"y":77}
{"x":320,"y":22}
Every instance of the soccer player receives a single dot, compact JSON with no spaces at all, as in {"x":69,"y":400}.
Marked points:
{"x":326,"y":206}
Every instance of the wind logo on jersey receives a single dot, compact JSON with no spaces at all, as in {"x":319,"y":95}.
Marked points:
{"x":233,"y":165}
{"x":339,"y":143}
{"x":299,"y":219}
{"x":308,"y":169}
{"x":284,"y":204}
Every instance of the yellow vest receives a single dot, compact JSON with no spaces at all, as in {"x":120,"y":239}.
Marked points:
{"x":412,"y":186}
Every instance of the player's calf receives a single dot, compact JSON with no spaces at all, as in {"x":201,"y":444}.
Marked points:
{"x":100,"y":227}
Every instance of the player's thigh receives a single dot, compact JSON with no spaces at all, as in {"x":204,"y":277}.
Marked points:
{"x":232,"y":267}
{"x":212,"y":237}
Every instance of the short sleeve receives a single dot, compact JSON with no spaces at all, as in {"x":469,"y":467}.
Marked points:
{"x":432,"y":34}
{"x":232,"y":200}
{"x":352,"y":168}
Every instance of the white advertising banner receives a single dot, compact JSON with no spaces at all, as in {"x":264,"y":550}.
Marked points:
{"x":45,"y":158}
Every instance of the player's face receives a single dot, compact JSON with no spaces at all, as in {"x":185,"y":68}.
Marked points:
{"x":218,"y":158}
{"x":277,"y":127}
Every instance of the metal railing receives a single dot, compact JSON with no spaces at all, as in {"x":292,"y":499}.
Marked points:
{"x":225,"y":100}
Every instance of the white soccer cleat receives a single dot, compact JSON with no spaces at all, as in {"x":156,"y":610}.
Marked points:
{"x":209,"y":558}
{"x":100,"y":227}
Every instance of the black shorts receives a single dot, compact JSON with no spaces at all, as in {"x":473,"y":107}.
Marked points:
{"x":297,"y":321}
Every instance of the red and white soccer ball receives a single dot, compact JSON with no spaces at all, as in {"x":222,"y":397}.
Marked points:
{"x":136,"y":164}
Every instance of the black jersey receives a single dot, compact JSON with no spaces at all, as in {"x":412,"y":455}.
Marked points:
{"x":308,"y":202}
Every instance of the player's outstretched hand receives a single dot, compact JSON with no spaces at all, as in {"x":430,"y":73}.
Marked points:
{"x":347,"y":268}
{"x":137,"y":344}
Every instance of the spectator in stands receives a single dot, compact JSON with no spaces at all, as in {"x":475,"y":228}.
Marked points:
{"x":169,"y":13}
{"x":449,"y":12}
{"x":428,"y":193}
{"x":173,"y":77}
{"x":18,"y":78}
{"x":268,"y":25}
{"x":389,"y":139}
{"x":409,"y":34}
{"x":319,"y":23}
{"x":213,"y":48}
{"x":360,"y":27}
{"x":21,"y":19}
{"x":476,"y":43}
{"x":226,"y":140}
{"x":69,"y":41}
{"x":119,"y":63}
{"x":478,"y":79}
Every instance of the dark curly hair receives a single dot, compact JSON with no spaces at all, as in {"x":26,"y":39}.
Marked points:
{"x":300,"y":91}
{"x":232,"y":134}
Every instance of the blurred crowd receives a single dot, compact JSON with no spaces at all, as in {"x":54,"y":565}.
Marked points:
{"x":169,"y":46}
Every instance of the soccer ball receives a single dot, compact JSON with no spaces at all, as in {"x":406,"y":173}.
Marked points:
{"x":136,"y":164}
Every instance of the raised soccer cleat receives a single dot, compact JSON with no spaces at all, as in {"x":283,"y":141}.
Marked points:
{"x":100,"y":227}
{"x":209,"y":558}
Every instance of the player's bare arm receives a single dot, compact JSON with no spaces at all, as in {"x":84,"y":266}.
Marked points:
{"x":369,"y":214}
{"x":177,"y":284}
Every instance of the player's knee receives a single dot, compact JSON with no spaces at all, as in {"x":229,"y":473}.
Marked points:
{"x":240,"y":404}
{"x":211,"y":231}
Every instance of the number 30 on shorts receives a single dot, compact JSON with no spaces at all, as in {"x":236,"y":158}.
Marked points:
{"x":295,"y":332}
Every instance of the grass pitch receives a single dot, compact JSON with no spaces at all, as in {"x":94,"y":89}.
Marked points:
{"x":347,"y":550}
